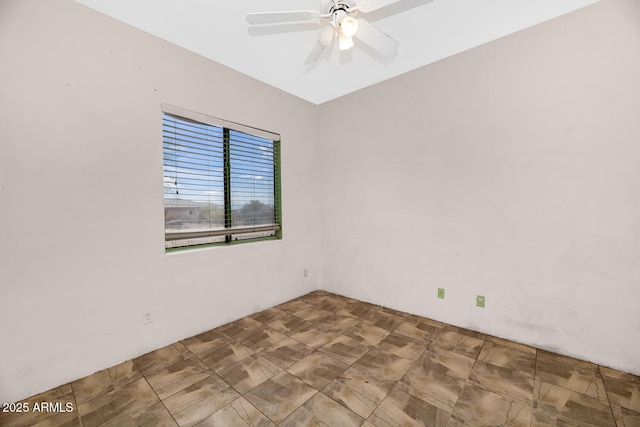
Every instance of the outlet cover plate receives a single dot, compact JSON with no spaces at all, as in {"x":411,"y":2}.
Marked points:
{"x":480,"y":301}
{"x":441,"y":293}
{"x":147,"y":317}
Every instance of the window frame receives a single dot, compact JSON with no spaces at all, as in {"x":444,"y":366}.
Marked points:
{"x":229,"y":231}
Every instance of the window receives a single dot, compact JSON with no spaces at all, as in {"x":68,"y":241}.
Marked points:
{"x":221,"y":181}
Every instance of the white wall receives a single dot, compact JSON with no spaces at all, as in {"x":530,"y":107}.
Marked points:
{"x":81,"y":200}
{"x":511,"y":171}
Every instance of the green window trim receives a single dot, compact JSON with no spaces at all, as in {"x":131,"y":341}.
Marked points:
{"x":222,"y":181}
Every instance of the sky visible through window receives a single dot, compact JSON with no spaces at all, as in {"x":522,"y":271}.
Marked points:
{"x":194,"y":176}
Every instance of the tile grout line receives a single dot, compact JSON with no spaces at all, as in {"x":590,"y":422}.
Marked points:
{"x":534,"y":402}
{"x":606,"y":391}
{"x":466,"y":382}
{"x":299,"y":379}
{"x":241,"y":395}
{"x":155,"y":392}
{"x":259,"y":353}
{"x":75,"y":402}
{"x":360,"y":320}
{"x":398,"y":381}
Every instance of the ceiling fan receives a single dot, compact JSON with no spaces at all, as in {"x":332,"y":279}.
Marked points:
{"x":340,"y":26}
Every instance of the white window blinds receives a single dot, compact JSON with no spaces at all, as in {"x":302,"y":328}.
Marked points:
{"x":221,"y":180}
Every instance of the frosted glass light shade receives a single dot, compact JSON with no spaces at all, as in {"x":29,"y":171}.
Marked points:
{"x":348,"y":26}
{"x":345,"y":42}
{"x":325,"y":35}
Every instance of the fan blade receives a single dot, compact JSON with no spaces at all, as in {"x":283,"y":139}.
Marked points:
{"x":375,"y":39}
{"x":315,"y":54}
{"x":333,"y":49}
{"x":367,"y":6}
{"x":277,"y":17}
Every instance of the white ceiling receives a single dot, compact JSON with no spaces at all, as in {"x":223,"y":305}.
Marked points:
{"x":427,"y":30}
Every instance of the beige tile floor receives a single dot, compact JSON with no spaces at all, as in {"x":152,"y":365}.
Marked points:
{"x":327,"y":360}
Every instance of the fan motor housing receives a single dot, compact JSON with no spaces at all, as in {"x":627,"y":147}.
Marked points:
{"x":339,"y":10}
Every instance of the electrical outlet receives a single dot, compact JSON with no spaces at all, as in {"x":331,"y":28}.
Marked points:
{"x":441,"y":293}
{"x":305,"y":273}
{"x":147,"y":318}
{"x":480,"y":301}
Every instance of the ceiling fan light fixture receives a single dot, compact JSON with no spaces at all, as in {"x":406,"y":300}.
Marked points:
{"x":348,"y":26}
{"x":339,"y":26}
